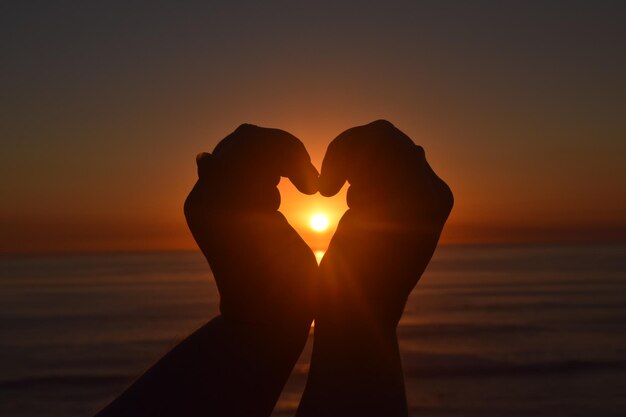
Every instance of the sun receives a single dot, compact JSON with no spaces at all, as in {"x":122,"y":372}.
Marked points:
{"x":319,"y":222}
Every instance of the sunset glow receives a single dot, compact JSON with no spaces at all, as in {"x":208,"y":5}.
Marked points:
{"x":319,"y":222}
{"x":508,"y":132}
{"x":319,"y":254}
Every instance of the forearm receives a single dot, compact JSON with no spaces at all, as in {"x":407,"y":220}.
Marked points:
{"x":354,"y":371}
{"x":175,"y":384}
{"x":209,"y":372}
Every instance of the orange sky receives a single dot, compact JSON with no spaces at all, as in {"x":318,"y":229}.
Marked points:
{"x":521,"y":111}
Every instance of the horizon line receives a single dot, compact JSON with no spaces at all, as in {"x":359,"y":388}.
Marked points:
{"x":113,"y":251}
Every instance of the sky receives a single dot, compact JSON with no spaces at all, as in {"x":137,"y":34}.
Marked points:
{"x":519,"y":105}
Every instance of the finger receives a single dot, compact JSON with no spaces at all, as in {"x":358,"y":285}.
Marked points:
{"x":255,"y":151}
{"x":365,"y":155}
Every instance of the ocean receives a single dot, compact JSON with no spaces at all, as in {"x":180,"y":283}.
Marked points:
{"x":489,"y":330}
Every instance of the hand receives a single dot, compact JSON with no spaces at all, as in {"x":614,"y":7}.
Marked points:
{"x":263,"y":269}
{"x":397,"y":209}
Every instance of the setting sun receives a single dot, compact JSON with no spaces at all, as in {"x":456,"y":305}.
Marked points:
{"x":319,"y":222}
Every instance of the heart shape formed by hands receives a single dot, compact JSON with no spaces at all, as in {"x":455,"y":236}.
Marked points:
{"x":376,"y":160}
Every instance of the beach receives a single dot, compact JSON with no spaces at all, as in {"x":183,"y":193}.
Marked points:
{"x":489,"y":330}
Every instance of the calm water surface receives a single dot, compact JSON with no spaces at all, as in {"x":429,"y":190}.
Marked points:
{"x":489,"y":331}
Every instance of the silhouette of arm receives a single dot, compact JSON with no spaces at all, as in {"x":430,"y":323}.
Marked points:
{"x":238,"y":363}
{"x":383,"y":243}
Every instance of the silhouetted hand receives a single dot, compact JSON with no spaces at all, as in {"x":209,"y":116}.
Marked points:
{"x":383,"y":243}
{"x":238,"y":363}
{"x":262,"y":266}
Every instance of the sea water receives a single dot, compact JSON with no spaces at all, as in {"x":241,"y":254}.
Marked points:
{"x":489,"y":330}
